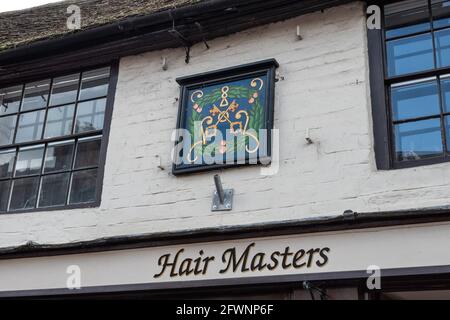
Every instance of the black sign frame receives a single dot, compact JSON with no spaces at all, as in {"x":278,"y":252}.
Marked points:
{"x":266,"y":68}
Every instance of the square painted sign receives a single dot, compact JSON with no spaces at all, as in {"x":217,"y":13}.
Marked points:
{"x":225,"y":118}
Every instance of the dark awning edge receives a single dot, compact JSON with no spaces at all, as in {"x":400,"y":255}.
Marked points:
{"x":203,"y":21}
{"x":348,"y":221}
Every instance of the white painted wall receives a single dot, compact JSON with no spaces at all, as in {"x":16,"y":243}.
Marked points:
{"x":325,"y":88}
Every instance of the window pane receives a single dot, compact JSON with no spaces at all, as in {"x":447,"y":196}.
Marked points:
{"x":88,"y":152}
{"x":7,"y":158}
{"x":403,"y":31}
{"x":445,"y":87}
{"x":412,"y":12}
{"x":64,"y":89}
{"x":90,"y":115}
{"x":29,"y":160}
{"x":417,"y":140}
{"x":59,"y":121}
{"x":4,"y":195}
{"x":10,"y":100}
{"x":7,"y":126}
{"x":441,"y":13}
{"x":442,"y":39}
{"x":94,"y":84}
{"x":410,"y":55}
{"x":83,"y":186}
{"x":447,"y":132}
{"x":30,"y":126}
{"x":24,"y":193}
{"x":59,"y":156}
{"x":415,"y":100}
{"x":54,"y":190}
{"x":36,"y":95}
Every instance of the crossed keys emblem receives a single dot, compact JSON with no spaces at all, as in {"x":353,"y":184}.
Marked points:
{"x":236,"y":121}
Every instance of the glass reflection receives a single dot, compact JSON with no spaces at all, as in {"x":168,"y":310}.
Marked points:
{"x":418,"y":140}
{"x":7,"y":158}
{"x":64,"y":89}
{"x":94,"y":84}
{"x":90,"y":116}
{"x":54,"y":190}
{"x":10,"y":100}
{"x":415,"y":100}
{"x":83,"y":186}
{"x":24,"y":193}
{"x":29,"y":160}
{"x":59,"y":156}
{"x":30,"y":126}
{"x":36,"y":95}
{"x":442,"y":41}
{"x":410,"y":55}
{"x":59,"y":121}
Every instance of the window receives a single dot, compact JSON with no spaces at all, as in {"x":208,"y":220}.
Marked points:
{"x":411,"y":96}
{"x":52,"y":133}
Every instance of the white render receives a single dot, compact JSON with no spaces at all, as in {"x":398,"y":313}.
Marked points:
{"x":323,"y":87}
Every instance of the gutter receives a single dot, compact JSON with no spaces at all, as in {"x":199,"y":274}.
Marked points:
{"x":115,"y":30}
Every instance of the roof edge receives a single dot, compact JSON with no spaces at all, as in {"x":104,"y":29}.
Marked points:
{"x":122,"y":28}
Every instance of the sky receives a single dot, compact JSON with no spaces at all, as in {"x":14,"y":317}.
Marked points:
{"x":10,"y":5}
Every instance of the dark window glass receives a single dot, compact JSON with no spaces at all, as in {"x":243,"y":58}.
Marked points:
{"x":59,"y":121}
{"x":30,"y":126}
{"x":10,"y":100}
{"x":442,"y":40}
{"x":88,"y":152}
{"x":59,"y":156}
{"x":408,"y":55}
{"x":94,"y":84}
{"x":64,"y":89}
{"x":7,"y":158}
{"x":90,"y":116}
{"x":441,"y":13}
{"x":29,"y":160}
{"x":418,"y":140}
{"x":7,"y":126}
{"x":24,"y":193}
{"x":83,"y":186}
{"x":445,"y":86}
{"x":54,"y":190}
{"x":4,"y":195}
{"x":47,"y":128}
{"x":36,"y":95}
{"x":415,"y":100}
